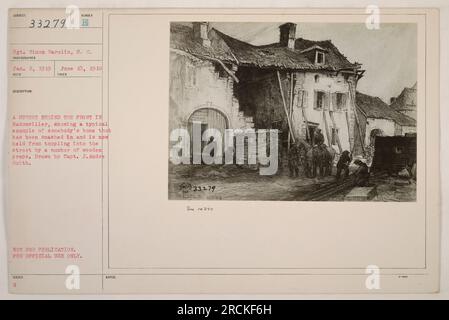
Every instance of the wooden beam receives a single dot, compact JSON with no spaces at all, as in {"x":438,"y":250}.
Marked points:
{"x":329,"y":142}
{"x":353,"y":97}
{"x":304,"y":115}
{"x":285,"y":105}
{"x":334,"y":125}
{"x":225,"y":69}
{"x":200,"y":57}
{"x":290,"y":111}
{"x":349,"y":132}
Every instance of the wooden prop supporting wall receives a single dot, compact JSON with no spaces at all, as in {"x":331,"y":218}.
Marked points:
{"x":349,"y":132}
{"x":285,"y":106}
{"x":353,"y":97}
{"x":334,"y":125}
{"x":290,"y":111}
{"x":304,"y":115}
{"x":326,"y":127}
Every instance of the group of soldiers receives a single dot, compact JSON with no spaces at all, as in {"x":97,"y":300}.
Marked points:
{"x":298,"y":153}
{"x":298,"y":157}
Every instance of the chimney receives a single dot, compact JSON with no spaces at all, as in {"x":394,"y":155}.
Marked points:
{"x":287,"y":35}
{"x":392,"y":99}
{"x":200,"y":33}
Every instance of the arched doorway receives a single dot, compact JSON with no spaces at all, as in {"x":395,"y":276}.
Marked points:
{"x":208,"y":118}
{"x":375,"y":133}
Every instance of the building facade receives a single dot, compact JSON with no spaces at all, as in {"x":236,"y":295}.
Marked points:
{"x":294,"y":85}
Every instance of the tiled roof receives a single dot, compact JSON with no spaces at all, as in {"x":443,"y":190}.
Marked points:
{"x":181,"y":38}
{"x":374,"y":107}
{"x":227,"y":48}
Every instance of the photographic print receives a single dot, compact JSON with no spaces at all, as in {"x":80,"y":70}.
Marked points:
{"x":224,"y":151}
{"x":292,"y":111}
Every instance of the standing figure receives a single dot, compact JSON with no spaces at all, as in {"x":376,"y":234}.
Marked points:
{"x":318,"y":138}
{"x":294,"y":160}
{"x":328,"y":155}
{"x":303,"y":148}
{"x":343,"y":164}
{"x":361,"y":175}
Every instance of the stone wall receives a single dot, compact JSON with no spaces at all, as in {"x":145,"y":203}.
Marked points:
{"x":197,"y":84}
{"x":387,"y":126}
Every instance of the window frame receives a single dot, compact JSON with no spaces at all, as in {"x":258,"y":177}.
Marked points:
{"x":343,"y":105}
{"x":302,"y":98}
{"x":317,"y":53}
{"x":323,"y":100}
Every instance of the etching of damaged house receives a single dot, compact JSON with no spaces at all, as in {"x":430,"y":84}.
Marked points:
{"x":294,"y":85}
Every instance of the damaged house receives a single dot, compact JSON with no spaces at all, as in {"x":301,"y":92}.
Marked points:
{"x":294,"y":85}
{"x":379,"y":119}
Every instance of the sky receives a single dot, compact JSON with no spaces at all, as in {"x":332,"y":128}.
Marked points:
{"x":388,"y":54}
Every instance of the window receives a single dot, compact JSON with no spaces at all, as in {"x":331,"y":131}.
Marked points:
{"x":399,"y":149}
{"x":301,"y":99}
{"x":317,"y":78}
{"x":311,"y":126}
{"x":338,"y":101}
{"x":319,"y":57}
{"x":321,"y":100}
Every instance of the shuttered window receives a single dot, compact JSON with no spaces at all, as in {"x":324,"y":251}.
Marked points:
{"x":301,"y":99}
{"x":321,"y":100}
{"x":339,"y":101}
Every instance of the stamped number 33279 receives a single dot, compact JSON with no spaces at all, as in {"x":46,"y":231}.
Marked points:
{"x":187,"y":187}
{"x":47,"y":23}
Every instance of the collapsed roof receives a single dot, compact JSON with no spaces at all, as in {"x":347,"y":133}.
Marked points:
{"x":275,"y":55}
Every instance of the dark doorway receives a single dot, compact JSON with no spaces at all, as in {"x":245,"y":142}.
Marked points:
{"x":312,"y":126}
{"x":208,"y":118}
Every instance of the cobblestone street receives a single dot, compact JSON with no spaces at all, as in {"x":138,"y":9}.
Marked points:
{"x":233,"y":182}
